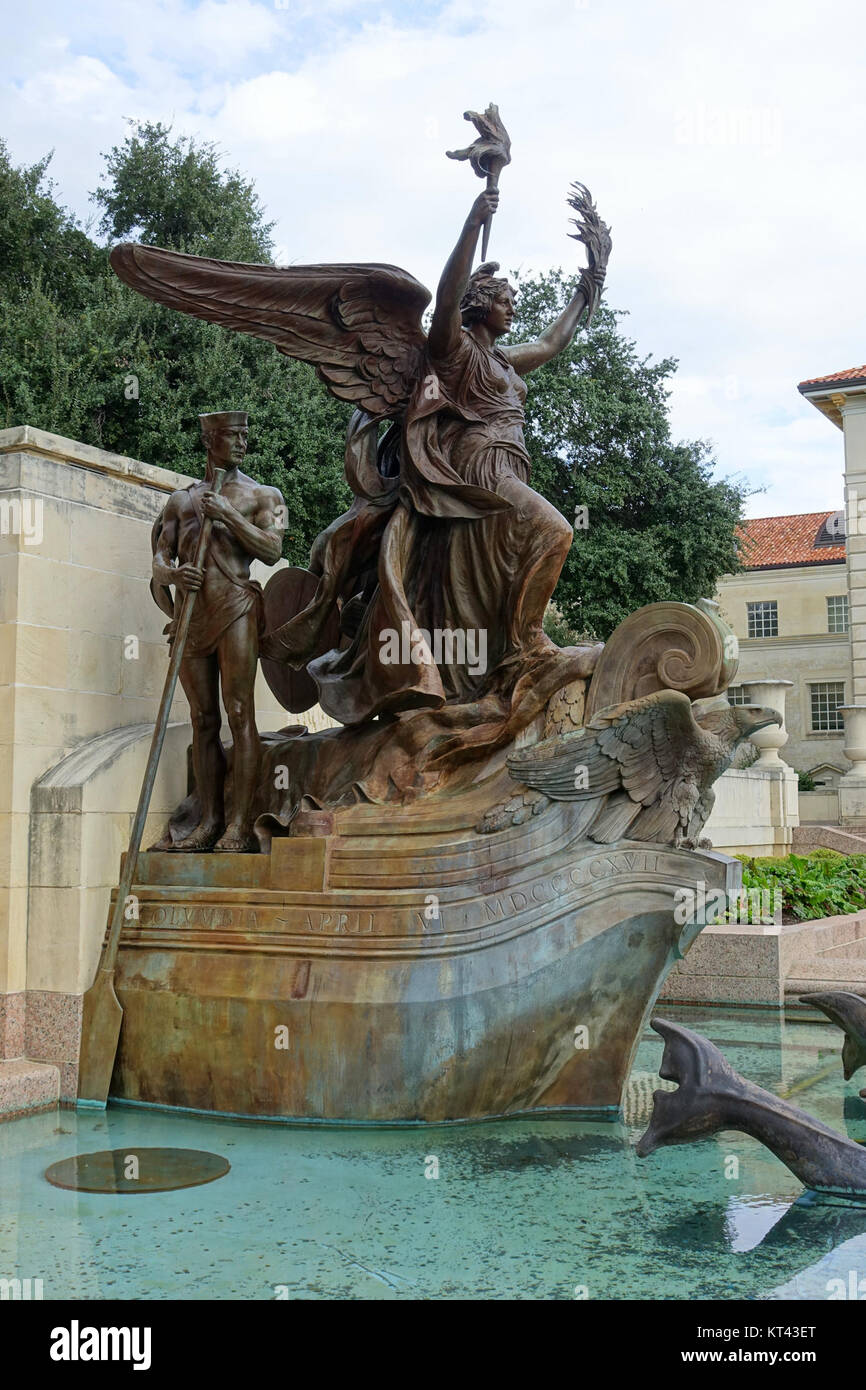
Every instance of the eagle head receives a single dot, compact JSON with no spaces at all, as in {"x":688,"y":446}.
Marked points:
{"x":734,"y":723}
{"x":749,"y":718}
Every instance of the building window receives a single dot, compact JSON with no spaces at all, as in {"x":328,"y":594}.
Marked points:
{"x":738,"y":695}
{"x":837,"y":613}
{"x":832,"y":530}
{"x":826,"y":698}
{"x":763,"y":618}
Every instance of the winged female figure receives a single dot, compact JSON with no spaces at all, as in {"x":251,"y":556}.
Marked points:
{"x":445,"y":533}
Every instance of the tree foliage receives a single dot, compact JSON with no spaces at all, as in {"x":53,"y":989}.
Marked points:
{"x":40,"y":242}
{"x":83,"y":356}
{"x":651,"y":523}
{"x":174,"y":193}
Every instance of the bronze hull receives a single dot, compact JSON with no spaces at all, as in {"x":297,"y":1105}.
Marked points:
{"x":317,"y":983}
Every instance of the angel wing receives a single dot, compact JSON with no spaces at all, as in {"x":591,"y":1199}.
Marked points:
{"x":358,"y":325}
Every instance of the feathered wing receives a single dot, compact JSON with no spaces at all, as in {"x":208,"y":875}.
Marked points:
{"x":358,"y":325}
{"x":648,"y":748}
{"x":569,"y":767}
{"x":637,"y":746}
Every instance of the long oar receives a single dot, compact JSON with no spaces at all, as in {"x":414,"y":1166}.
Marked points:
{"x":102,"y":1014}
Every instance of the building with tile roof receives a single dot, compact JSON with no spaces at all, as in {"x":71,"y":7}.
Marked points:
{"x":808,"y":538}
{"x":799,"y":606}
{"x":850,"y":374}
{"x":789,"y":610}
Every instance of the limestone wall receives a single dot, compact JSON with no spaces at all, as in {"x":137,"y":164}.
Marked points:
{"x":819,"y":808}
{"x":81,"y":817}
{"x":853,"y":408}
{"x":71,"y":591}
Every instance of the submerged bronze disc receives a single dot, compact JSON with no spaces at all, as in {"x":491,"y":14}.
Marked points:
{"x":137,"y":1170}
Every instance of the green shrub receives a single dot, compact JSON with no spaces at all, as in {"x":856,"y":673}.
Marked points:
{"x":821,"y":884}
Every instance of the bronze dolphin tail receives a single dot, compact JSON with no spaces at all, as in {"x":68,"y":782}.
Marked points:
{"x":712,"y":1097}
{"x":849,"y":1012}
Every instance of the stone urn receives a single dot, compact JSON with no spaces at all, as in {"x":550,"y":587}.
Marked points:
{"x":768,"y":741}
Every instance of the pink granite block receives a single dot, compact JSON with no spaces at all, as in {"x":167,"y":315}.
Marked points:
{"x":815,"y":976}
{"x":27,"y":1086}
{"x":12,"y":1025}
{"x":68,"y":1083}
{"x":749,"y":951}
{"x":722,"y":989}
{"x":53,"y":1026}
{"x":844,"y":840}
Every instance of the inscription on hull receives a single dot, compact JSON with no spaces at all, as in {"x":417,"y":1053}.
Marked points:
{"x":560,"y":887}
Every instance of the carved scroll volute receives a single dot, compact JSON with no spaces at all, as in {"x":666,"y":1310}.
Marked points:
{"x":665,"y":646}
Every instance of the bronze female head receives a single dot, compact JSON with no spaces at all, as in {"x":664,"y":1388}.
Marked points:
{"x":488,"y":298}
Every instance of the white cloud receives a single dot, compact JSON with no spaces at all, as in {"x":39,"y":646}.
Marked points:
{"x":74,"y":84}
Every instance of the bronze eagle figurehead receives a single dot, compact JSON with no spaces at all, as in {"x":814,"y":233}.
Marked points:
{"x":651,"y":764}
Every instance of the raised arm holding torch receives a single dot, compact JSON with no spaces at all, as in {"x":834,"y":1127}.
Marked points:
{"x":488,"y":155}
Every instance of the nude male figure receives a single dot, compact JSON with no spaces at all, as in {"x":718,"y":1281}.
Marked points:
{"x":227,"y":621}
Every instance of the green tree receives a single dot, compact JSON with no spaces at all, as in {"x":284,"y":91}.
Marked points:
{"x":41,"y":244}
{"x":174,"y":193}
{"x":656,"y":525}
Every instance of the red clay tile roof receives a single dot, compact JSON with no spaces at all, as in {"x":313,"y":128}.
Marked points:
{"x":772,"y":542}
{"x":849,"y":374}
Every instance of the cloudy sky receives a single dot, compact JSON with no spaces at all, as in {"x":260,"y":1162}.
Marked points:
{"x":724,"y":144}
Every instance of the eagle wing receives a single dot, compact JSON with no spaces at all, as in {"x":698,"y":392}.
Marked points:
{"x":358,"y":325}
{"x":647,"y":750}
{"x":640,"y":746}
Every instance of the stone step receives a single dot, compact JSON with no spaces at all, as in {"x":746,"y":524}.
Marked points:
{"x":809,"y":837}
{"x":27,"y":1086}
{"x":828,"y":972}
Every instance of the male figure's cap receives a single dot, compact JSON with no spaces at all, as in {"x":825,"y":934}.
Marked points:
{"x":224,"y":420}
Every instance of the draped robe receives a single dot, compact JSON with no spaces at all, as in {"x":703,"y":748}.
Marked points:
{"x":445,"y":534}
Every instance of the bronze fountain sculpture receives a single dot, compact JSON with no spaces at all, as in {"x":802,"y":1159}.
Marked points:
{"x":428,"y":941}
{"x":445,"y":534}
{"x":656,"y":758}
{"x":711,"y":1096}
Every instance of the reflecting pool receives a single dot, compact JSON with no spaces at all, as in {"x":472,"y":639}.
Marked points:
{"x":541,"y":1209}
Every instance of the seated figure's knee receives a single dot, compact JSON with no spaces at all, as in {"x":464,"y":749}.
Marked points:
{"x":541,"y":518}
{"x":552,"y":528}
{"x":564,"y":531}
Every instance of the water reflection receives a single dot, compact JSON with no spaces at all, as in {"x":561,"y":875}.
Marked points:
{"x":133,"y":1170}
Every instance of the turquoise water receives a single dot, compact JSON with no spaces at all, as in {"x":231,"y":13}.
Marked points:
{"x":548,"y":1209}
